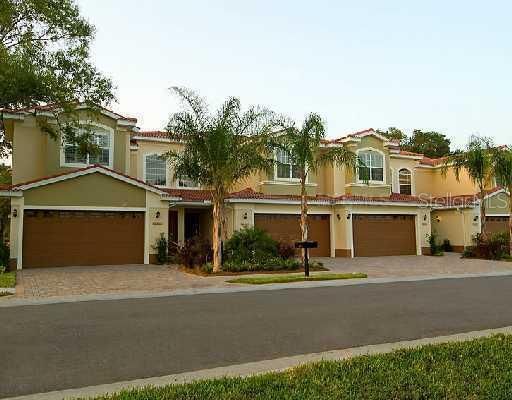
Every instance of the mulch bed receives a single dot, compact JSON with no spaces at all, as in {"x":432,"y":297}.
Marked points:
{"x":199,"y":272}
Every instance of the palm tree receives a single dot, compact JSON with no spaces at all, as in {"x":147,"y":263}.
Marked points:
{"x":220,"y":149}
{"x":502,"y":168}
{"x":476,"y":160}
{"x":305,"y":148}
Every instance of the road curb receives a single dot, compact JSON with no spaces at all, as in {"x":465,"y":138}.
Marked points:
{"x":237,"y":288}
{"x":260,"y":367}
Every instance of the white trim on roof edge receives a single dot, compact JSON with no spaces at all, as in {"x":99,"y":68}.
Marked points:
{"x":88,"y":171}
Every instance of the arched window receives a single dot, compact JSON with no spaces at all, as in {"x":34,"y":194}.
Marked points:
{"x":405,"y":181}
{"x":155,"y":170}
{"x":371,"y":166}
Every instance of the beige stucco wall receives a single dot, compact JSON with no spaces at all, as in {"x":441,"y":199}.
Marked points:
{"x":396,"y":164}
{"x":458,"y":226}
{"x":156,"y":226}
{"x":95,"y":189}
{"x":147,"y":148}
{"x":29,"y":151}
{"x":36,"y":154}
{"x":498,"y":204}
{"x":432,"y":181}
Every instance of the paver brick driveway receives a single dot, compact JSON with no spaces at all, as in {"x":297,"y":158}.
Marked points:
{"x":73,"y":281}
{"x":409,"y":266}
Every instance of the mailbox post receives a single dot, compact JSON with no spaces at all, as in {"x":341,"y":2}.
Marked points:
{"x":306,"y":245}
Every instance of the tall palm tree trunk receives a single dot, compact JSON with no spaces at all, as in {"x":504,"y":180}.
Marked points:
{"x":483,"y":214}
{"x":303,"y":214}
{"x":218,"y":204}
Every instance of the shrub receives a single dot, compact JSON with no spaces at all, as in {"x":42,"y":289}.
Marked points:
{"x":498,"y":245}
{"x":162,"y":248}
{"x":286,"y":250}
{"x":194,"y":252}
{"x":494,"y":247}
{"x":447,"y":246}
{"x":250,"y":245}
{"x":4,"y":254}
{"x":435,"y":249}
{"x":269,"y":264}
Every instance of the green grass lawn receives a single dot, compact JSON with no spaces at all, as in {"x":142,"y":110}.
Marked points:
{"x":478,"y":369}
{"x":8,"y":280}
{"x":262,"y":280}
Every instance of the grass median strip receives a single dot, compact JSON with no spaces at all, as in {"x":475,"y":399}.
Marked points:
{"x":262,"y":280}
{"x":476,"y":369}
{"x":8,"y":280}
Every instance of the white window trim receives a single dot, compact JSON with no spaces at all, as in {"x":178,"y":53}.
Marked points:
{"x":108,"y":130}
{"x":413,"y":191}
{"x":167,"y":170}
{"x":290,"y":179}
{"x":384,"y":166}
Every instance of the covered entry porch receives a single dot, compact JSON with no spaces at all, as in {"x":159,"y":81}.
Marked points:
{"x":188,"y":222}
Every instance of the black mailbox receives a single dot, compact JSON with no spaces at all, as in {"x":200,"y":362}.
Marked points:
{"x":306,"y":245}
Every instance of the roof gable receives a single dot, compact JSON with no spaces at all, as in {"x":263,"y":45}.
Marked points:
{"x":86,"y":171}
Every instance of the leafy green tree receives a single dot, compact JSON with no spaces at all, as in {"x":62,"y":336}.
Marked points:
{"x":220,"y":149}
{"x":431,"y":144}
{"x":394,"y":134}
{"x":476,"y":159}
{"x":502,"y":168}
{"x":304,"y":146}
{"x":45,"y":59}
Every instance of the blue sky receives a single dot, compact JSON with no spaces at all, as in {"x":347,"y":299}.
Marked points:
{"x":432,"y":65}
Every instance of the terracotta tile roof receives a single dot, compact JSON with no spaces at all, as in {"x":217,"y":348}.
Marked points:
{"x":433,"y":162}
{"x":53,"y":107}
{"x":410,"y":153}
{"x":462,"y":200}
{"x":153,"y":134}
{"x":394,"y":198}
{"x":189,"y":194}
{"x":354,"y":134}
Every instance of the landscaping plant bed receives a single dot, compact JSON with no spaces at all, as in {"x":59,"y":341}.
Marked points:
{"x":201,"y":272}
{"x":476,"y":369}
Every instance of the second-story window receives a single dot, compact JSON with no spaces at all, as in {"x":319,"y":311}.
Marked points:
{"x":405,"y":181}
{"x":371,"y":166}
{"x":155,"y":170}
{"x":186,"y":183}
{"x":285,"y":168}
{"x":73,"y":156}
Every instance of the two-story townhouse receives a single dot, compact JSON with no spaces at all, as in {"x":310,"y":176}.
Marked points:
{"x":112,"y":207}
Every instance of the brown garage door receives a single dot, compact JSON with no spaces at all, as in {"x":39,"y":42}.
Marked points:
{"x":495,"y":225}
{"x":384,"y":235}
{"x":61,"y":238}
{"x":286,"y":228}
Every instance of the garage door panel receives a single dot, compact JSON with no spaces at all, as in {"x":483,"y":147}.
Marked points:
{"x":384,"y":235}
{"x":495,"y":225}
{"x":286,"y":228}
{"x":52,"y":238}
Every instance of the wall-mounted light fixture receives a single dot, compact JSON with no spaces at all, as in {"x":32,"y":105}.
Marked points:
{"x":245,"y":216}
{"x":438,"y":218}
{"x":157,"y":215}
{"x":475,"y":218}
{"x":15,"y":213}
{"x":338,"y":216}
{"x":425,"y":218}
{"x":349,"y":216}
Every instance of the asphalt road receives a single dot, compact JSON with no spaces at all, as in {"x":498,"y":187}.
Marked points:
{"x":62,"y":346}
